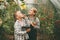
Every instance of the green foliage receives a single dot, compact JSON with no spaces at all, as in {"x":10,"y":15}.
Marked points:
{"x":8,"y":18}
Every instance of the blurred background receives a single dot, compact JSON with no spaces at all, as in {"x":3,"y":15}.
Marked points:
{"x":48,"y":13}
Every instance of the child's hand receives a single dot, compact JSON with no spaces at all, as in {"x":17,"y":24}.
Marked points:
{"x":33,"y":23}
{"x":28,"y":30}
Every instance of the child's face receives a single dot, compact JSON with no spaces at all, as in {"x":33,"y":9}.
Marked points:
{"x":31,"y":12}
{"x":19,"y":15}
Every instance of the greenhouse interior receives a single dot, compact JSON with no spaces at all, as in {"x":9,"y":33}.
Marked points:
{"x":48,"y":14}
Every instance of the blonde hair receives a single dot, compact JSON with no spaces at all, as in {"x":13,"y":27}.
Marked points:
{"x":15,"y":14}
{"x":34,"y":9}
